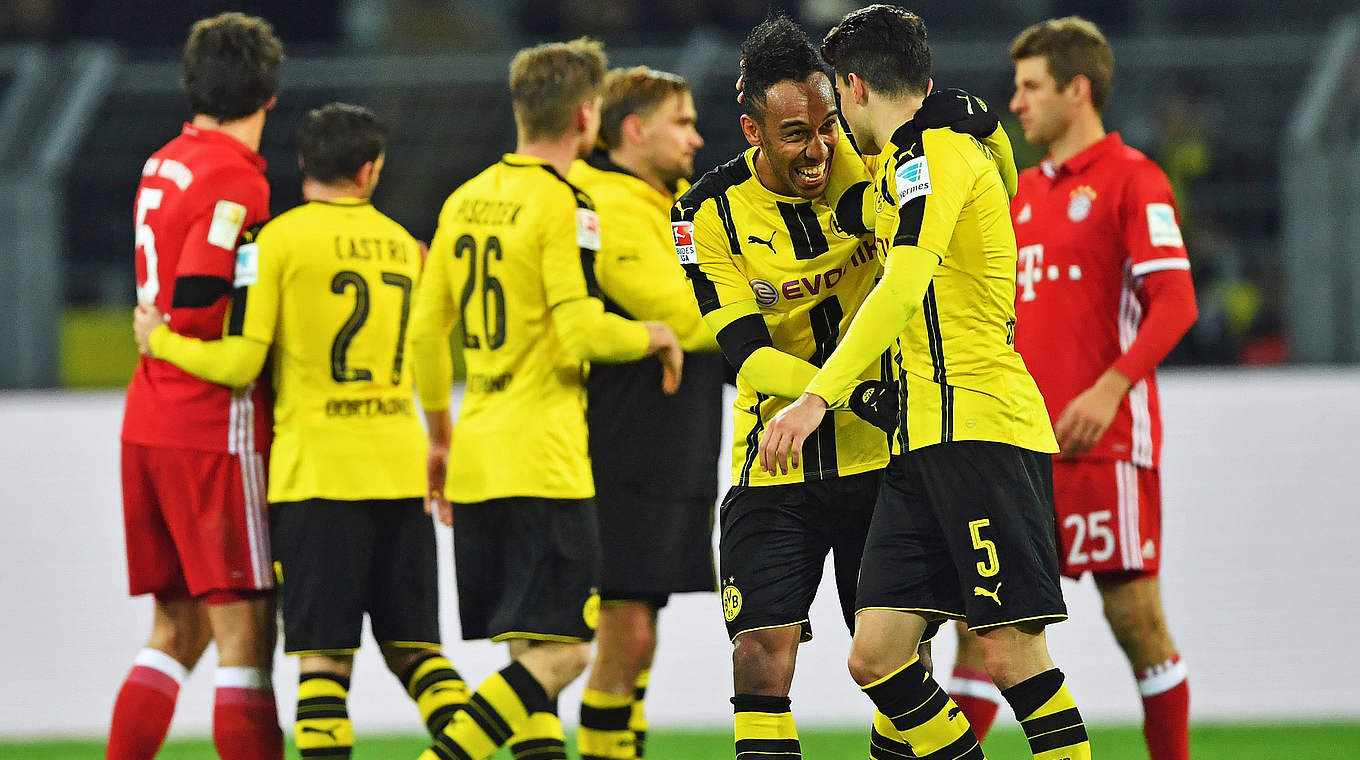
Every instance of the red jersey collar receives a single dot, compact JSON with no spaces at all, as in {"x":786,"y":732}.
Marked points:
{"x":225,"y":140}
{"x":1083,"y":160}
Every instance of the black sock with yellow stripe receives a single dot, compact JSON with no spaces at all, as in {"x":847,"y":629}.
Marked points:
{"x":540,"y":739}
{"x":500,"y":708}
{"x":604,"y":732}
{"x":764,"y":728}
{"x":437,"y":689}
{"x":925,"y":718}
{"x":1049,"y":716}
{"x":323,"y":728}
{"x":637,"y":719}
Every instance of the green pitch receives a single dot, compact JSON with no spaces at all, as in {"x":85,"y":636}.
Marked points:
{"x":1208,"y":742}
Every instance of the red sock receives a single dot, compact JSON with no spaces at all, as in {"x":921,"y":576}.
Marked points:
{"x":1166,"y":709}
{"x":975,"y":694}
{"x":146,"y":703}
{"x":245,"y":717}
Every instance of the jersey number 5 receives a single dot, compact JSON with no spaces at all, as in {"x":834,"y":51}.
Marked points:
{"x":344,"y":280}
{"x":493,"y":332}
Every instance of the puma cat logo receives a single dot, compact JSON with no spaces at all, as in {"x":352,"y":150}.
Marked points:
{"x":327,"y":731}
{"x":767,"y":243}
{"x":995,"y":595}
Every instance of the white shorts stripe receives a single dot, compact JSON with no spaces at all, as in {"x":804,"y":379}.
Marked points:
{"x":252,"y":482}
{"x":1130,"y":535}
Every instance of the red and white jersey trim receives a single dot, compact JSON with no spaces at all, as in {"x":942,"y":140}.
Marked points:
{"x":1130,"y":317}
{"x":241,"y":443}
{"x":1130,"y":537}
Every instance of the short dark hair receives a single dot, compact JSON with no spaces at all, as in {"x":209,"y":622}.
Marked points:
{"x":338,"y":138}
{"x":231,"y":66}
{"x":884,"y":45}
{"x":777,"y":50}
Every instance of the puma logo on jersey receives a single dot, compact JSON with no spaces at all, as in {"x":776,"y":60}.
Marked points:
{"x":767,"y":243}
{"x":326,"y":731}
{"x":954,"y":712}
{"x":994,"y":595}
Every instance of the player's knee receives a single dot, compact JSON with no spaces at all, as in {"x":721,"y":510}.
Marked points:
{"x":760,"y":664}
{"x":869,"y":663}
{"x":570,"y":662}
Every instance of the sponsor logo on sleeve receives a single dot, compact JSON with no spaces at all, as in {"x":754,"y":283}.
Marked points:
{"x":247,"y":265}
{"x":683,"y":235}
{"x":1162,"y":227}
{"x":228,"y":218}
{"x":587,"y":229}
{"x":913,"y":180}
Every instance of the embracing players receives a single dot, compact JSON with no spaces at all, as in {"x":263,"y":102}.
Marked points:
{"x":193,"y":452}
{"x":963,"y":527}
{"x":324,"y":290}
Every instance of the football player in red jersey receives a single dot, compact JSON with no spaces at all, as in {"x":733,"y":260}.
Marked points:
{"x":1104,"y":293}
{"x":193,"y":452}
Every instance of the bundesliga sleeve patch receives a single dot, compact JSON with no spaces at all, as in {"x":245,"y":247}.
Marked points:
{"x":587,"y":229}
{"x":913,"y":180}
{"x":1162,"y":227}
{"x":228,"y":218}
{"x":683,"y":234}
{"x":247,"y":265}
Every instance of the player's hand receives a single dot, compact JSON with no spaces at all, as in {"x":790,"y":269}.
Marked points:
{"x":662,"y":343}
{"x":875,"y":402}
{"x":959,"y":110}
{"x":1085,"y":420}
{"x":436,"y":470}
{"x":145,"y":319}
{"x":782,"y":443}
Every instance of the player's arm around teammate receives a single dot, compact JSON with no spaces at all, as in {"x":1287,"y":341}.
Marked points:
{"x":654,"y":456}
{"x":972,"y":433}
{"x":348,"y":529}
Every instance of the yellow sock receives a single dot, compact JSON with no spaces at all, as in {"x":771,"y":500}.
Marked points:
{"x":604,"y":733}
{"x":924,"y":716}
{"x":540,"y":739}
{"x":637,"y":720}
{"x":1049,"y":716}
{"x":500,"y":708}
{"x":764,"y":728}
{"x":322,"y":728}
{"x":437,"y":689}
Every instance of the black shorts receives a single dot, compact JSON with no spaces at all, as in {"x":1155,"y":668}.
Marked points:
{"x":654,"y":546}
{"x":774,"y":544}
{"x":337,"y":560}
{"x":965,"y":530}
{"x":527,"y":568}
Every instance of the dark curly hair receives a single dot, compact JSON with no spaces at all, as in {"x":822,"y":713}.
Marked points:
{"x":884,"y":45}
{"x":334,"y":141}
{"x":775,"y":51}
{"x":231,"y":66}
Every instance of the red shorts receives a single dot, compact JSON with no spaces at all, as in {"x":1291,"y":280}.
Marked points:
{"x":195,"y":523}
{"x":1109,"y":517}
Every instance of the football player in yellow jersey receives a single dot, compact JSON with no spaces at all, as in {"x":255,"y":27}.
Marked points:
{"x":324,"y":291}
{"x":654,"y":455}
{"x":778,"y":283}
{"x":964,"y":527}
{"x":512,"y":260}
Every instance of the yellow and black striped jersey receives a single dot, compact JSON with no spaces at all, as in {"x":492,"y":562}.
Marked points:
{"x":514,"y":244}
{"x":959,"y":375}
{"x":329,"y":285}
{"x":773,"y":273}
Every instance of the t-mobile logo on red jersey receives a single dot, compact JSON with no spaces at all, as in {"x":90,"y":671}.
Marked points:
{"x":1030,"y":270}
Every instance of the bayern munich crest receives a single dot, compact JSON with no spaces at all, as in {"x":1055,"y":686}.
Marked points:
{"x":1080,"y":206}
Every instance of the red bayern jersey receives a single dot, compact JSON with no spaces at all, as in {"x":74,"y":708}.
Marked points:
{"x":197,"y":194}
{"x":1088,"y":231}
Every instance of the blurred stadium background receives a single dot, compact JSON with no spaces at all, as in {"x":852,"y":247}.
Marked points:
{"x":1252,"y":108}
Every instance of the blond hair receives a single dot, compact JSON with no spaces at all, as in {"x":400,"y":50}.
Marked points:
{"x":548,"y":82}
{"x":1072,"y":46}
{"x":638,"y":90}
